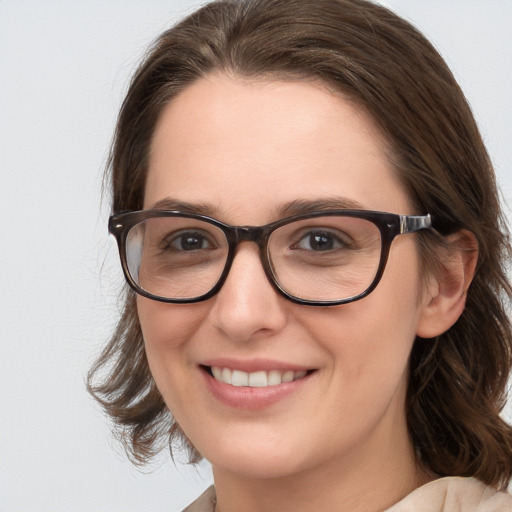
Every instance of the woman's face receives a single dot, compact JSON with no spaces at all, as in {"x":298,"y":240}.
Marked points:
{"x":244,"y":151}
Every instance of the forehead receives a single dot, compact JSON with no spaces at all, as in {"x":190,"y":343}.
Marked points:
{"x":245,"y":148}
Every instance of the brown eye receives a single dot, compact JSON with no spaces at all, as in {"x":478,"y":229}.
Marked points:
{"x":189,"y":241}
{"x":319,"y":241}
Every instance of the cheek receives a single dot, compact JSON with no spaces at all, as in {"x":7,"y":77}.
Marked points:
{"x":166,"y":329}
{"x":168,"y":325}
{"x":370,"y":340}
{"x":369,"y":344}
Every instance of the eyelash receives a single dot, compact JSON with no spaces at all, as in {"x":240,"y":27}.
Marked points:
{"x":179,"y":237}
{"x":332,"y":238}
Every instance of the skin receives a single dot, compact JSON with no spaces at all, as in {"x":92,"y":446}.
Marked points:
{"x":339,"y":442}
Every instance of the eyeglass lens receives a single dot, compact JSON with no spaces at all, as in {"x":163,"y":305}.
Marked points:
{"x":316,"y":259}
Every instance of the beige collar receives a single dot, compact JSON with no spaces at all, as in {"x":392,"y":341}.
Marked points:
{"x":451,"y":494}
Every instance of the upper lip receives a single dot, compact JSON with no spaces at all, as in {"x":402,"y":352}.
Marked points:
{"x":254,"y":365}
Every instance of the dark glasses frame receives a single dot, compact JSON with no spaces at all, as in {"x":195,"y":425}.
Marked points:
{"x":390,"y":226}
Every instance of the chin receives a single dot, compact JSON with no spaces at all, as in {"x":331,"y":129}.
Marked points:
{"x":260,"y":466}
{"x":255,"y":459}
{"x":277,"y":464}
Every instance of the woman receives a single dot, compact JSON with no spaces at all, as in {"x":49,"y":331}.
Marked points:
{"x":309,"y":223}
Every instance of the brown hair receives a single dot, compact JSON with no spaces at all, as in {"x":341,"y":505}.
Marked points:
{"x":458,"y":381}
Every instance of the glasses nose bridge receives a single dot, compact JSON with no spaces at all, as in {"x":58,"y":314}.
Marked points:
{"x":258,"y":235}
{"x":254,"y":234}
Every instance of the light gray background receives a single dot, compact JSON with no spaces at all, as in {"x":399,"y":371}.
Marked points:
{"x":64,"y":66}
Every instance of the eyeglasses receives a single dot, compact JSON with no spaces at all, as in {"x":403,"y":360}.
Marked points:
{"x":320,"y":259}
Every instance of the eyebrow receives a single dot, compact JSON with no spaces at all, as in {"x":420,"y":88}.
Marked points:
{"x":168,"y":203}
{"x":299,"y":206}
{"x":295,"y":207}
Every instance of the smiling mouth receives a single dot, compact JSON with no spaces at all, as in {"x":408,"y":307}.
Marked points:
{"x":259,"y":379}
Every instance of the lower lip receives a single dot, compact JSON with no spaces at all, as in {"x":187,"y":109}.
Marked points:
{"x":248,"y":398}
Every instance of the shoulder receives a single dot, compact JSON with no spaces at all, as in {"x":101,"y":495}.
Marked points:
{"x":452,"y":494}
{"x":455,"y":494}
{"x":205,"y":502}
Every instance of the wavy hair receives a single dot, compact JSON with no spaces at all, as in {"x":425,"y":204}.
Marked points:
{"x":458,"y":381}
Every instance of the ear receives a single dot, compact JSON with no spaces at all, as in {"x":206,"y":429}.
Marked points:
{"x":444,"y":298}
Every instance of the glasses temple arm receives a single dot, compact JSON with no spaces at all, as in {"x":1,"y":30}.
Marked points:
{"x":413,"y":223}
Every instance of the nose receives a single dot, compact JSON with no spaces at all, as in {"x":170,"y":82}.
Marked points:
{"x":247,"y":306}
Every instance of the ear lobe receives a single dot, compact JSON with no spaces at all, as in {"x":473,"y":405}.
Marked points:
{"x":445,"y":294}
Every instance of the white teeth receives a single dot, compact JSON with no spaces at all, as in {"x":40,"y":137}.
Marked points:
{"x":226,"y":375}
{"x":260,"y":379}
{"x":287,"y":376}
{"x":239,"y":378}
{"x":274,"y":378}
{"x":217,"y":372}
